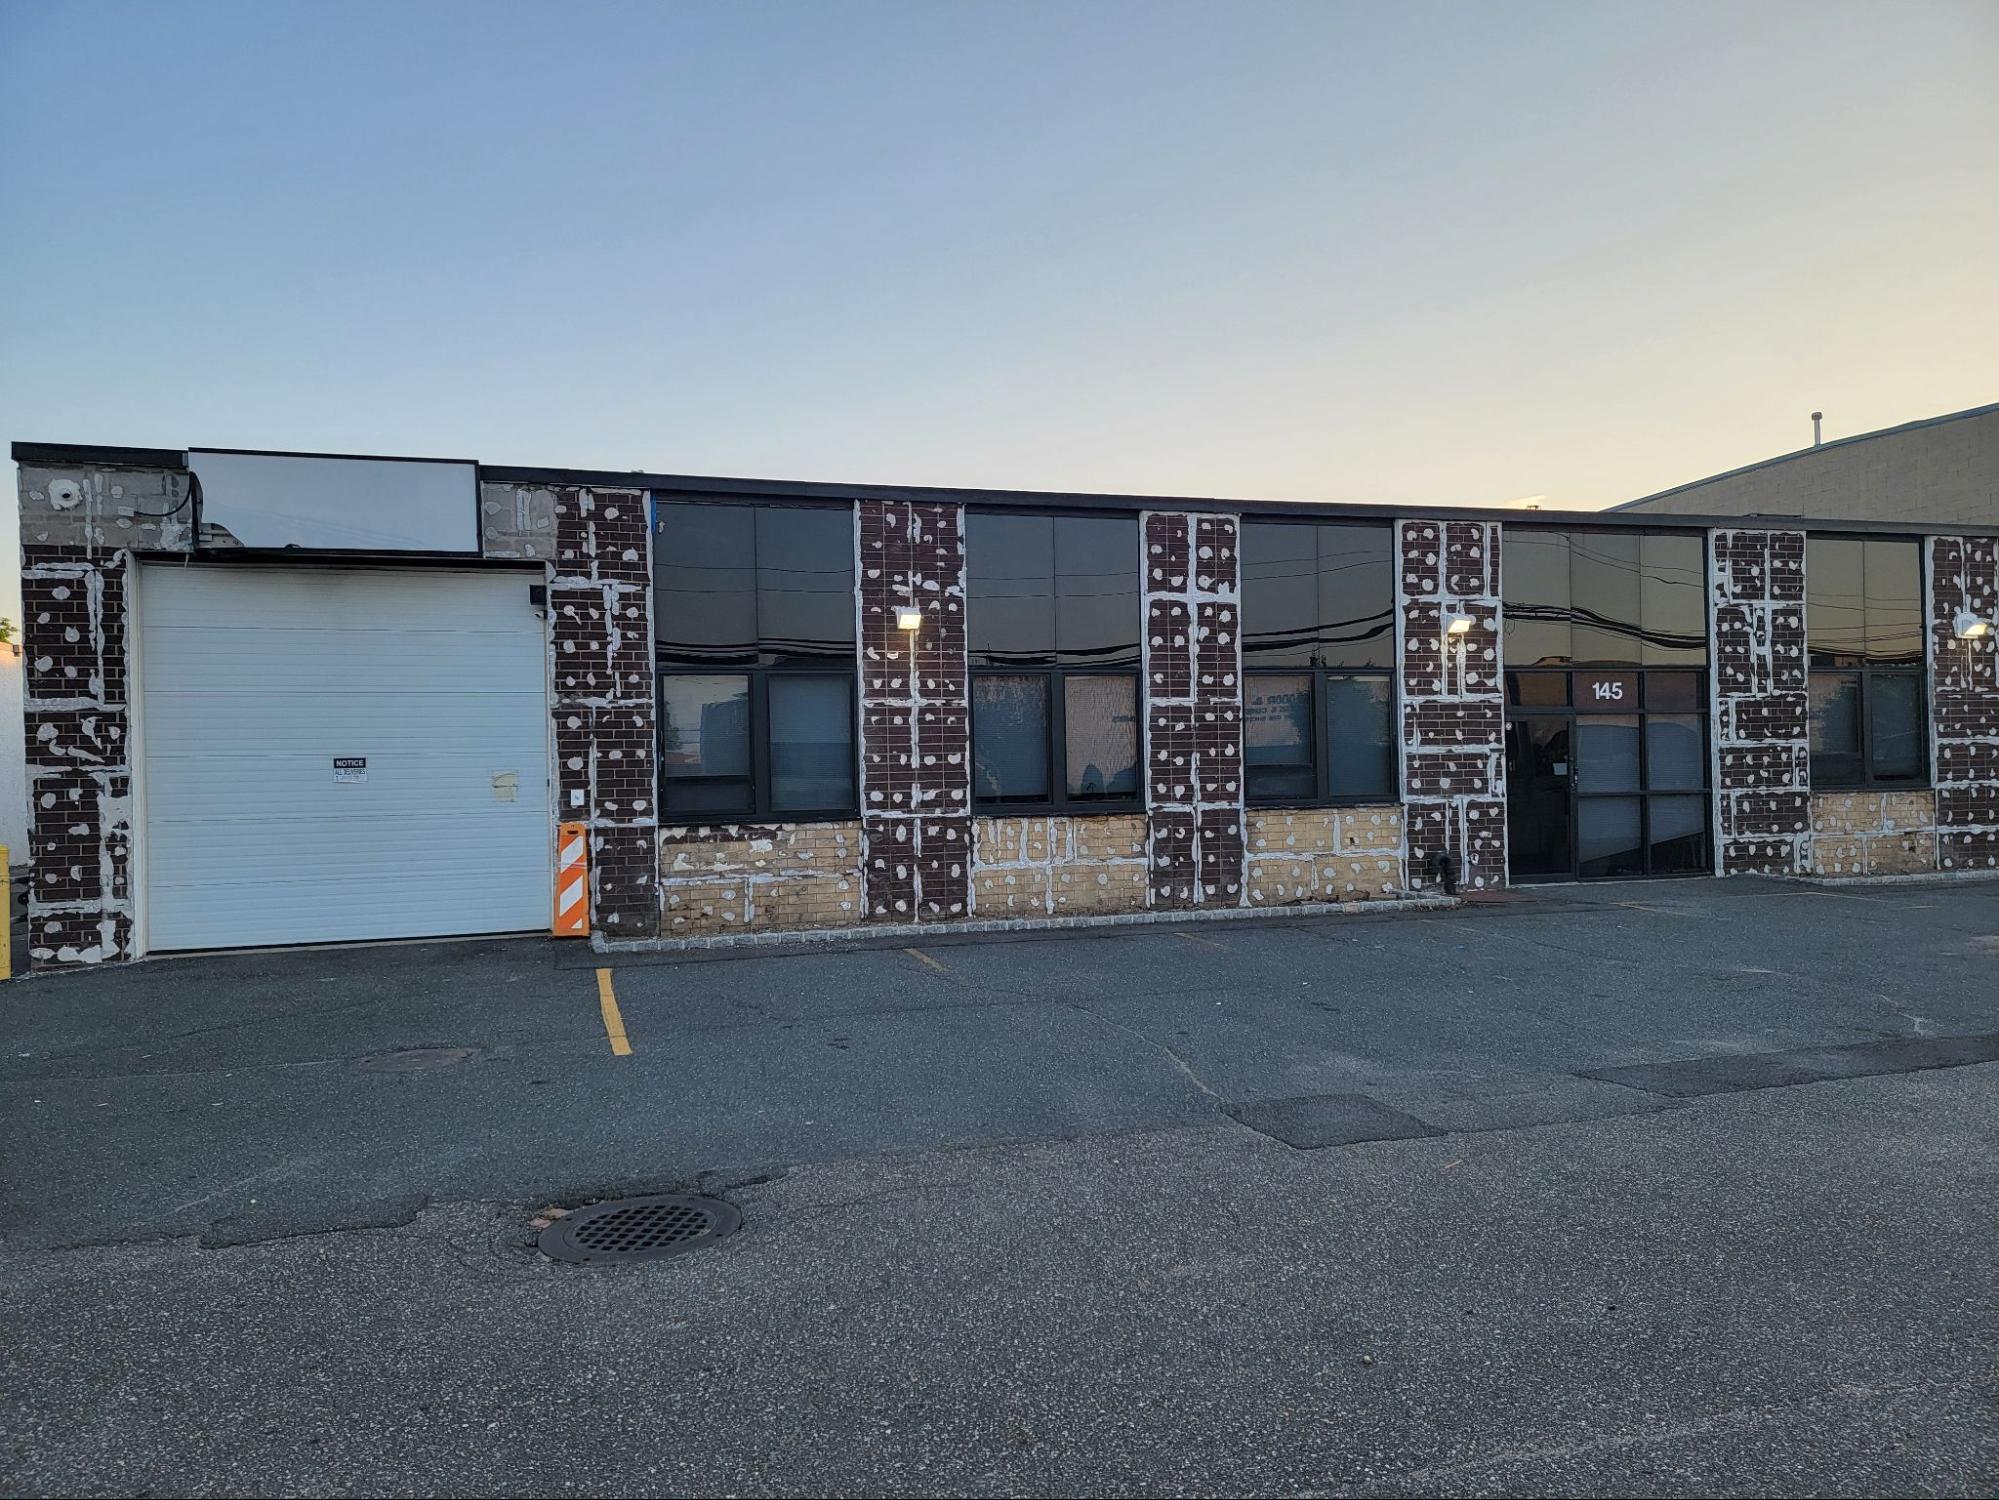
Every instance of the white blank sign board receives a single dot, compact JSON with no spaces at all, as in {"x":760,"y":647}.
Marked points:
{"x":337,"y":504}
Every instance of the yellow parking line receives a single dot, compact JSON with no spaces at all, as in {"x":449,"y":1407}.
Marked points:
{"x":923,"y":958}
{"x":614,"y":1022}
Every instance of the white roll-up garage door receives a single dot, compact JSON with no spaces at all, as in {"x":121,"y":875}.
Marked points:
{"x":333,"y":754}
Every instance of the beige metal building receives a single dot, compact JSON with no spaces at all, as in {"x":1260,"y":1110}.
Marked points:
{"x":1939,"y":469}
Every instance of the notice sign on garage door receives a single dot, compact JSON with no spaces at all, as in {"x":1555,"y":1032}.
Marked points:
{"x":350,"y":769}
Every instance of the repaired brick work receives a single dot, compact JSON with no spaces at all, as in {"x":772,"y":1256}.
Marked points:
{"x":1065,"y":866}
{"x":1193,"y":703}
{"x":1762,"y":773}
{"x":601,"y":698}
{"x":1325,"y":854}
{"x":916,"y":759}
{"x":1453,"y":713}
{"x":1964,"y":701}
{"x":1872,"y":833}
{"x":759,"y":876}
{"x":78,"y":529}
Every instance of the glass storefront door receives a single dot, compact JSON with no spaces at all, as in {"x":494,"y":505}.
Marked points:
{"x":1606,"y":774}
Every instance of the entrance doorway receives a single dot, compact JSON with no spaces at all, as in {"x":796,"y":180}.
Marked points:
{"x":1606,"y":773}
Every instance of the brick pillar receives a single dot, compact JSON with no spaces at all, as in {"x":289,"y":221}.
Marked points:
{"x":601,"y":698}
{"x":1964,"y":701}
{"x":1762,"y":748}
{"x":1453,"y":710}
{"x":78,"y":530}
{"x":1193,"y":710}
{"x":916,"y":754}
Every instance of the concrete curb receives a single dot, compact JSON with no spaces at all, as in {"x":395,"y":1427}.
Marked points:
{"x":1921,"y":877}
{"x":975,"y":925}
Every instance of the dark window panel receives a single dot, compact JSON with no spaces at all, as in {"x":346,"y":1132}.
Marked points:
{"x":811,"y":744}
{"x":704,"y":584}
{"x":1356,"y":596}
{"x":1280,"y":594}
{"x":1675,"y":752}
{"x":1893,"y":577}
{"x":1673,"y":598}
{"x":1277,"y":735}
{"x":1534,"y":583}
{"x":1100,"y":723}
{"x":705,"y":743}
{"x":1835,"y":729}
{"x":1678,"y":834}
{"x":1009,"y":589}
{"x":1606,"y":596}
{"x":1097,"y":611}
{"x":1835,"y":602}
{"x":1360,"y":737}
{"x":1537,"y":689}
{"x":1010,"y":738}
{"x":1537,"y":795}
{"x":1607,"y":753}
{"x":805,"y":583}
{"x":1895,"y":726}
{"x":1675,"y":691}
{"x":684,"y":798}
{"x":1608,"y":841}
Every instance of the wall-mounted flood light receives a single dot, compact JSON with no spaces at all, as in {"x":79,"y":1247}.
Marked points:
{"x":1970,"y":627}
{"x":908,"y":617}
{"x":1456,"y":624}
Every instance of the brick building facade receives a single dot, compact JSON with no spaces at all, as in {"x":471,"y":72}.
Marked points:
{"x":917,"y":848}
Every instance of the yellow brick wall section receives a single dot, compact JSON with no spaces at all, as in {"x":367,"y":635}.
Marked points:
{"x":761,"y":877}
{"x":1026,"y":867}
{"x":1325,"y":854}
{"x":1873,"y":833}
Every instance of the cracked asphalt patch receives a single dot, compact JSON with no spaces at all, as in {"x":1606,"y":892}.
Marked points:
{"x":1003,"y":1230}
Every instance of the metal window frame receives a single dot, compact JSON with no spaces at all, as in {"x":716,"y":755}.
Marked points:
{"x":1924,"y":779}
{"x":1645,"y":791}
{"x":1322,"y":756}
{"x":1058,"y":800}
{"x":760,"y":810}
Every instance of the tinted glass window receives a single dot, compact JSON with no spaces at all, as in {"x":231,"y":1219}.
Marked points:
{"x":1892,"y":575}
{"x":1277,"y":734}
{"x":1356,"y":596}
{"x":1606,"y":595}
{"x":1280,"y":594}
{"x":1673,"y":598}
{"x":1675,"y":752}
{"x":1010,"y":737}
{"x":1678,"y":834}
{"x":1607,"y":837}
{"x":1835,"y":728}
{"x":1607,"y":753}
{"x":1360,"y":737}
{"x":1010,"y":589}
{"x":1100,"y":722}
{"x":1534,"y":587}
{"x":1096,"y":590}
{"x":811,"y":744}
{"x":1317,"y":594}
{"x":705,"y":583}
{"x":705,"y":742}
{"x":1895,"y":722}
{"x":805,"y":582}
{"x":1835,"y":602}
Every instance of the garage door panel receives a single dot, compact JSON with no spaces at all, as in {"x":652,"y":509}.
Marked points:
{"x":254,"y":680}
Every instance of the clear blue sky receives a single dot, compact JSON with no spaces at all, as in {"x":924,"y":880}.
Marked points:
{"x":1459,"y":253}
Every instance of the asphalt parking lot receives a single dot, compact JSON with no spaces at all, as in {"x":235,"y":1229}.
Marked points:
{"x":1674,"y":1187}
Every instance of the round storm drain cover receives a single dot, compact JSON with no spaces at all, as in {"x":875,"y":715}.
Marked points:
{"x":638,"y":1229}
{"x":410,"y":1059}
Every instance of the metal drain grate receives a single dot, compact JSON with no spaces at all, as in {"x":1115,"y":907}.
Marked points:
{"x":638,"y":1229}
